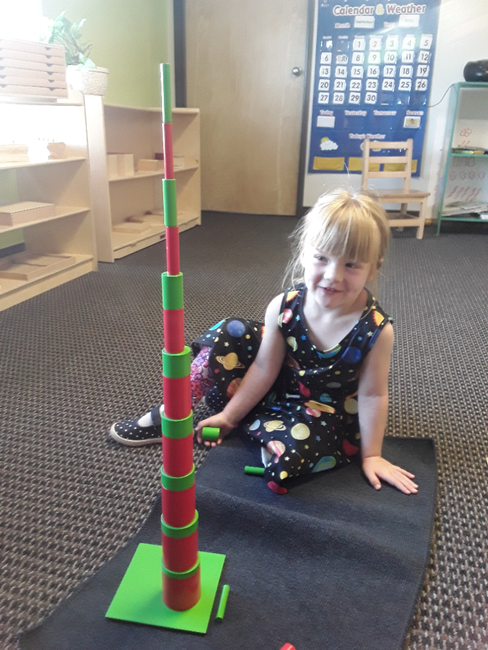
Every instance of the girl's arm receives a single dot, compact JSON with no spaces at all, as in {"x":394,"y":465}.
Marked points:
{"x":257,"y":380}
{"x":373,"y":413}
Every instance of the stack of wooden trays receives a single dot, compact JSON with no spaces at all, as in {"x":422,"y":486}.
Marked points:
{"x":32,"y":69}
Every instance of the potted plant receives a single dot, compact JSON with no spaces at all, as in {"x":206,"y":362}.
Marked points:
{"x":81,"y":73}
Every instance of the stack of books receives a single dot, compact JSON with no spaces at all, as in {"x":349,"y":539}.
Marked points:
{"x":32,"y":69}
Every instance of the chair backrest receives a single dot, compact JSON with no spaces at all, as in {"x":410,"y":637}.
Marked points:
{"x":399,"y":166}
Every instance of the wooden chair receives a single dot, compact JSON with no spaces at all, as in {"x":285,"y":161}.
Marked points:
{"x":399,"y":166}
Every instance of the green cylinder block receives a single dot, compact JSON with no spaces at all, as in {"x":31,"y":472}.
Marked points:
{"x":178,"y":483}
{"x":222,"y":603}
{"x":184,"y":574}
{"x":169,"y":198}
{"x":254,"y":471}
{"x":180,"y":533}
{"x":211,"y":434}
{"x":177,"y":365}
{"x":172,"y":291}
{"x":177,"y":428}
{"x":166,"y":82}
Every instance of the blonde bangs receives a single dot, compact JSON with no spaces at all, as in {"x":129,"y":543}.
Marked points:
{"x":350,"y":225}
{"x":347,"y":234}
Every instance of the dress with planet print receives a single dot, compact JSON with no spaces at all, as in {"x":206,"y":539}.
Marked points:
{"x":308,"y":421}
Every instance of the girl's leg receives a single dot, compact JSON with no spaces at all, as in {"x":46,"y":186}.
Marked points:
{"x":147,"y":429}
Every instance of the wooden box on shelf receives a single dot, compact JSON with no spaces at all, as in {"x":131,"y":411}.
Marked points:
{"x":19,"y":213}
{"x":132,"y":227}
{"x":150,"y":165}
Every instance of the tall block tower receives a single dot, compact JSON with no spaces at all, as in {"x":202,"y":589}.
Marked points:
{"x":172,"y":585}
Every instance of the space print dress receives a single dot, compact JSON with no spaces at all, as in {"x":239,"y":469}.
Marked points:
{"x":308,"y":421}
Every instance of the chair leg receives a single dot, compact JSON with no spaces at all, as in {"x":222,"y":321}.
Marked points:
{"x":420,"y":229}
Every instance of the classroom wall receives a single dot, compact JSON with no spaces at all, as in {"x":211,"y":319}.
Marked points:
{"x":461,"y":37}
{"x":129,"y":38}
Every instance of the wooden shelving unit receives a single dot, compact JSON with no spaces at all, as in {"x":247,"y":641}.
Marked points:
{"x":128,"y":199}
{"x":69,"y":233}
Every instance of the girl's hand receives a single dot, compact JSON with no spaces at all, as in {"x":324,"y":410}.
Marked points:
{"x":376,"y":468}
{"x":219,"y":422}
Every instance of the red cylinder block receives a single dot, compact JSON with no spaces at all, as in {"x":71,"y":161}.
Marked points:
{"x":173,"y":250}
{"x":168,"y":150}
{"x":174,"y":330}
{"x":177,"y":397}
{"x":178,"y":507}
{"x":177,"y":456}
{"x":180,"y":554}
{"x":181,"y":595}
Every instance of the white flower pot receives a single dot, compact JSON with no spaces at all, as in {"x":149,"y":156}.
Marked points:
{"x":91,"y":81}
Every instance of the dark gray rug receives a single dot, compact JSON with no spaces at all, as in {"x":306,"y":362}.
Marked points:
{"x":77,"y":357}
{"x":332,"y":564}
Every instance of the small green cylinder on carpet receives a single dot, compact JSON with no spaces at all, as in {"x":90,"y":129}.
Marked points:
{"x":222,"y":603}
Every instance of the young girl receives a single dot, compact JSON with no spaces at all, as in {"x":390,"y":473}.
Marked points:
{"x":311,"y":386}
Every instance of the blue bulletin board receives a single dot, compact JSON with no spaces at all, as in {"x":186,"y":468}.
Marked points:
{"x":372,"y":77}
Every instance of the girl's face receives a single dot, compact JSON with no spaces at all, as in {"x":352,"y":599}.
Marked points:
{"x":335,"y":282}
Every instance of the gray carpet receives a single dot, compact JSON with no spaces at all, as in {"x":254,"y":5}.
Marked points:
{"x":86,"y":353}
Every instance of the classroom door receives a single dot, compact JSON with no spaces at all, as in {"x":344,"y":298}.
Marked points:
{"x":244,"y":65}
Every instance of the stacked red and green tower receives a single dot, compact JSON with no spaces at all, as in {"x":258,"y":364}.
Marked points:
{"x":179,"y":521}
{"x":183,"y":599}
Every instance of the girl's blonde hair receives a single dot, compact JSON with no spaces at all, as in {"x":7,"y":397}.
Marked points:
{"x":353,"y":225}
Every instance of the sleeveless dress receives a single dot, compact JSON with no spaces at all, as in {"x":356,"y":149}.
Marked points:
{"x":308,"y":421}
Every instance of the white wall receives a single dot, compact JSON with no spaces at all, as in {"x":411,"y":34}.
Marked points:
{"x":461,"y":37}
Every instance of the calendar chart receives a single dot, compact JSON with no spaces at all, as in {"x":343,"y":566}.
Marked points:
{"x":372,"y":75}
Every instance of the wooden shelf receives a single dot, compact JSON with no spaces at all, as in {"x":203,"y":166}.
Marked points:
{"x":37,"y":163}
{"x":60,"y":213}
{"x":137,"y":176}
{"x":12,"y":292}
{"x":65,"y":182}
{"x":138,"y":131}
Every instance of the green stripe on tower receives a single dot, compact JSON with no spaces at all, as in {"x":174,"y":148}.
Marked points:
{"x":177,"y":483}
{"x":169,"y":197}
{"x":180,"y":533}
{"x":172,"y":291}
{"x":176,"y":575}
{"x":178,"y":365}
{"x":177,"y":429}
{"x":167,"y":114}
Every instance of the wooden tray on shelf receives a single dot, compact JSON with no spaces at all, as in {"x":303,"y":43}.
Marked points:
{"x":30,"y":266}
{"x":25,"y":211}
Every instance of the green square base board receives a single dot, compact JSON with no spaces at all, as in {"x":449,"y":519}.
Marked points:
{"x":139,"y":596}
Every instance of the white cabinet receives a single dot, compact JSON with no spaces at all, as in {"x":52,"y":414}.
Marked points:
{"x":59,"y":247}
{"x":128,"y":210}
